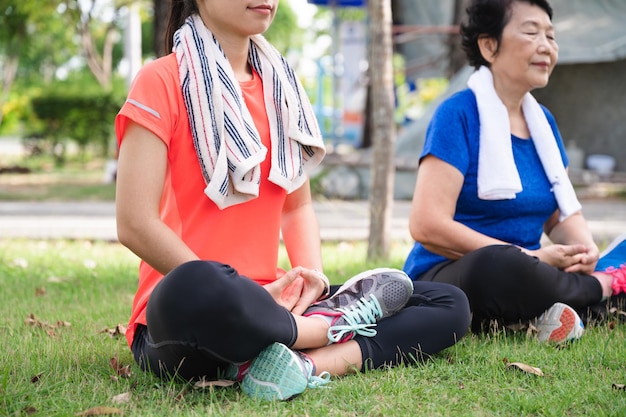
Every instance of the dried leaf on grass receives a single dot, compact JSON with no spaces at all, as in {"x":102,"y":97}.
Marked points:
{"x":616,"y":311}
{"x":115,"y":332}
{"x":31,"y":320}
{"x":40,"y":292}
{"x":219,"y":383}
{"x":119,"y":369}
{"x":29,"y":409}
{"x":36,"y":378}
{"x":100,"y":411}
{"x":122,"y":398}
{"x":524,"y":367}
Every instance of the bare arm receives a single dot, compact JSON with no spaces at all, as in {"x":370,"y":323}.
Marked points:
{"x":431,"y":220}
{"x":141,"y":173}
{"x":432,"y":223}
{"x":574,"y":232}
{"x":300,"y":230}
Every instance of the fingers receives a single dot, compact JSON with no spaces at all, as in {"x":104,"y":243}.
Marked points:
{"x":291,"y":295}
{"x":287,"y":278}
{"x":278,"y":287}
{"x":316,"y":285}
{"x":306,"y":299}
{"x":298,"y":288}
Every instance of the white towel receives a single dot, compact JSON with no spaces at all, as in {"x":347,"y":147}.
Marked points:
{"x":227,"y":142}
{"x":498,"y":178}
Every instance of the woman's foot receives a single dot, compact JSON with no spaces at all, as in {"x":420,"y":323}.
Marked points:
{"x":611,"y":268}
{"x":558,"y":324}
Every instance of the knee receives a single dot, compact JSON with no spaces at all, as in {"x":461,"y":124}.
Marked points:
{"x":462,"y":315}
{"x":491,"y":267}
{"x":454,"y":308}
{"x":190,"y":284}
{"x":492,"y":257}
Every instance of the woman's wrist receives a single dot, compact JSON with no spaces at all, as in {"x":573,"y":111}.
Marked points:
{"x":326,"y":282}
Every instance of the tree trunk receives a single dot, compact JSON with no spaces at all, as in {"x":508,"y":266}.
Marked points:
{"x":161,"y":10}
{"x":9,"y":71}
{"x":382,"y":128}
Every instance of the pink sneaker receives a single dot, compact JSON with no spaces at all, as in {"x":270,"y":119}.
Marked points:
{"x":619,"y":278}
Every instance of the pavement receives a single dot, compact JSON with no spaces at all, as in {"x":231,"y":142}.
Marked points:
{"x":339,"y":220}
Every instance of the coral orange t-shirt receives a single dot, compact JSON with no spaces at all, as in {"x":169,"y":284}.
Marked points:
{"x":245,"y":236}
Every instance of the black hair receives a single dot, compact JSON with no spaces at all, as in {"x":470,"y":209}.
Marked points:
{"x":180,"y":10}
{"x":488,"y":18}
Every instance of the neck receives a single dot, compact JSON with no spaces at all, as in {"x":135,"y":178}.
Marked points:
{"x":235,"y":48}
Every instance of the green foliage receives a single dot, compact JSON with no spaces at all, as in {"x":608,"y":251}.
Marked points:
{"x":284,"y":32}
{"x":70,"y":112}
{"x":34,"y":32}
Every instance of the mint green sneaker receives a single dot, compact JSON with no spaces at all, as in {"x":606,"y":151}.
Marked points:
{"x":279,"y":373}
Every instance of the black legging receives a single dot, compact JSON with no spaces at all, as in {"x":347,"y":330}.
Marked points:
{"x":203,"y":315}
{"x":503,"y":283}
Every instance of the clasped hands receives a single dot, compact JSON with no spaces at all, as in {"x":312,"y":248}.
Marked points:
{"x":298,"y":288}
{"x":569,"y":258}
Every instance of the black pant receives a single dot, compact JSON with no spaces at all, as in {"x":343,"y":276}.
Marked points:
{"x":203,"y":316}
{"x":503,"y":283}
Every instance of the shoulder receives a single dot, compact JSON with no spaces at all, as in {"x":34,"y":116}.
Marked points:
{"x":461,"y":101}
{"x":164,"y":69}
{"x":460,"y":107}
{"x":548,"y":114}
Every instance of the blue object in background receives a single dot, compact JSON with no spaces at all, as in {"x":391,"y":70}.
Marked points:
{"x":340,"y":3}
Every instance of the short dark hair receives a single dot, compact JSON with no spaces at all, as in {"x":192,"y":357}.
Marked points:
{"x":488,"y":18}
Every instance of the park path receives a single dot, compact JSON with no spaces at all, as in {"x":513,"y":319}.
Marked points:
{"x":339,"y":219}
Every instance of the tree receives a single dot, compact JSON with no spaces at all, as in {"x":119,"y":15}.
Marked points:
{"x":160,"y":15}
{"x":382,"y":127}
{"x":12,"y":34}
{"x":28,"y":28}
{"x":90,"y":25}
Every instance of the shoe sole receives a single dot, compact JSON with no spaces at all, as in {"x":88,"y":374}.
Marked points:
{"x":567,"y":329}
{"x":275,"y":375}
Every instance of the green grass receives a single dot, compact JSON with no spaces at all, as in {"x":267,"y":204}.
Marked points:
{"x":75,"y":181}
{"x":64,"y":370}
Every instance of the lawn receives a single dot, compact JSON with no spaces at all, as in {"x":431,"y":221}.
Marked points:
{"x":62,"y":355}
{"x":75,"y":181}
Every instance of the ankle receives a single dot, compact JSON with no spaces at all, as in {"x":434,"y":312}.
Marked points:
{"x":606,"y":282}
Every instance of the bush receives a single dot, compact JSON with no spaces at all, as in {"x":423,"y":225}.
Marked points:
{"x":86,"y":118}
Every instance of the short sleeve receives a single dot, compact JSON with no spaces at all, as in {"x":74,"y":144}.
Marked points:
{"x":448,"y":136}
{"x":154,"y":100}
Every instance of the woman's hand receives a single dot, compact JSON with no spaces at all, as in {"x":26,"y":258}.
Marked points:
{"x":297,"y":289}
{"x":588,"y":261}
{"x":570,"y":258}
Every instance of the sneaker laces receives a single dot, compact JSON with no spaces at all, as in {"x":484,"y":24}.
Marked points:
{"x":314,"y":381}
{"x":359,"y":319}
{"x":619,"y":278}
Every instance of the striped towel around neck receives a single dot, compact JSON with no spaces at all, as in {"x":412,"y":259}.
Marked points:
{"x":226,"y":140}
